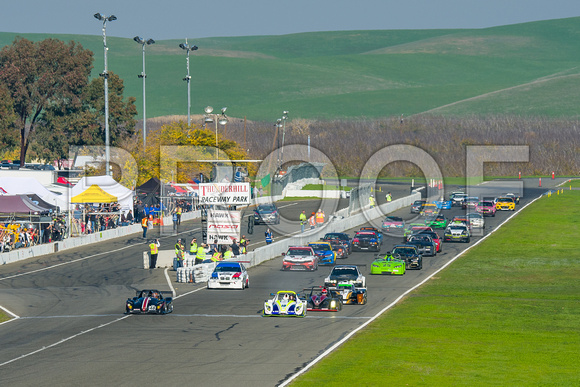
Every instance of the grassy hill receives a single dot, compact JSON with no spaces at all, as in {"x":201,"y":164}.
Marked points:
{"x":529,"y":69}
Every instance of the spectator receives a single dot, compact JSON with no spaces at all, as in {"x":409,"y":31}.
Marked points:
{"x":235,"y":248}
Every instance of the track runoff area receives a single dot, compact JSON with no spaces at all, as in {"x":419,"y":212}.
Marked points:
{"x":70,"y":310}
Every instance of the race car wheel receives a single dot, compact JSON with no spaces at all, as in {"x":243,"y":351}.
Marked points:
{"x":248,"y":283}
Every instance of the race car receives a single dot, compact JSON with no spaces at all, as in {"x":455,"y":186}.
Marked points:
{"x":438,"y":221}
{"x":457,"y":198}
{"x":365,"y":240}
{"x":229,"y":275}
{"x":149,"y":301}
{"x":300,"y":258}
{"x":417,"y":205}
{"x":429,"y":209}
{"x":346,"y":273}
{"x":323,"y":250}
{"x":514,"y":196}
{"x":457,"y":233}
{"x":443,"y":204}
{"x":350,"y":294}
{"x":414,"y":228}
{"x":339,"y":249}
{"x":424,"y":243}
{"x":267,"y":214}
{"x":388,"y":265}
{"x":322,"y":299}
{"x":436,"y":238}
{"x":476,"y":220}
{"x":486,"y":208}
{"x":377,"y":232}
{"x":285,"y":303}
{"x":505,"y":204}
{"x":341,"y":236}
{"x":470,"y":203}
{"x":393,"y":222}
{"x":410,"y":254}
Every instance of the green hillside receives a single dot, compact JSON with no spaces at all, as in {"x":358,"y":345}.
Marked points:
{"x":524,"y":69}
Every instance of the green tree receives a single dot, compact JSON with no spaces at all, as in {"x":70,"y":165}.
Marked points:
{"x":8,"y":136}
{"x":45,"y":75}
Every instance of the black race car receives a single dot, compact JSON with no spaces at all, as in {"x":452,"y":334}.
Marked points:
{"x":149,"y":301}
{"x":320,"y":298}
{"x":341,"y":236}
{"x":410,"y":254}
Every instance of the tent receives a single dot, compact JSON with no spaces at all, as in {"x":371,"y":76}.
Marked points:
{"x":19,"y":204}
{"x":28,"y":185}
{"x":102,"y":189}
{"x":153,"y":185}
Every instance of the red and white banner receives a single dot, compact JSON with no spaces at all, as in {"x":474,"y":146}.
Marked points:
{"x":224,"y":193}
{"x":223,"y":226}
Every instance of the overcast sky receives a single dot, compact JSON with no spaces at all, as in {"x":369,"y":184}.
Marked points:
{"x":178,"y":19}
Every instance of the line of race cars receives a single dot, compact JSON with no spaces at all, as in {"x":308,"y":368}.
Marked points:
{"x":346,"y":284}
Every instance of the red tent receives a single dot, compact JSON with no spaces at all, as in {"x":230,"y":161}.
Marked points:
{"x":63,"y":181}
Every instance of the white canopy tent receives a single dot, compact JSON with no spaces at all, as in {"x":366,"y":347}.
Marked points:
{"x":107,"y":184}
{"x":27,"y":186}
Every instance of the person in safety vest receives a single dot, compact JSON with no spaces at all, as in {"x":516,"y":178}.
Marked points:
{"x":269,"y":236}
{"x":389,"y":197}
{"x":319,"y":217}
{"x":216,"y":256}
{"x":193,"y":247}
{"x":302,"y":220}
{"x":179,"y":252}
{"x":178,"y":213}
{"x":144,"y":225}
{"x":229,"y":253}
{"x":244,"y":245}
{"x":312,"y":221}
{"x":154,"y":246}
{"x":371,"y":201}
{"x":200,"y":255}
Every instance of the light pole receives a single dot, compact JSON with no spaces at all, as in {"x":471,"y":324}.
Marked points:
{"x":222,"y":119}
{"x":284,"y":118}
{"x":144,"y":42}
{"x":105,"y":75}
{"x":187,"y":78}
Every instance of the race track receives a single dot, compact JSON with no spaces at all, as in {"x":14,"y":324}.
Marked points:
{"x":72,"y":330}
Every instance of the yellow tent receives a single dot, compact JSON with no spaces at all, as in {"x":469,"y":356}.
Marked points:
{"x":94,"y":194}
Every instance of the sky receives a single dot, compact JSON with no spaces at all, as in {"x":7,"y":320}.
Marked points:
{"x":178,"y":19}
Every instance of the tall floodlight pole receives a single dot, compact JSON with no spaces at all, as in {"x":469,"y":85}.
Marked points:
{"x":222,"y":119}
{"x":187,"y":78}
{"x":284,"y":118}
{"x":105,"y":75}
{"x":144,"y":42}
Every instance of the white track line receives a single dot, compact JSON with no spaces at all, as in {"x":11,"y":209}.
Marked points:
{"x":348,"y":336}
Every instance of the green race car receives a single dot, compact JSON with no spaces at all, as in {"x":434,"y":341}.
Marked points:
{"x":437,"y":221}
{"x":388,"y":265}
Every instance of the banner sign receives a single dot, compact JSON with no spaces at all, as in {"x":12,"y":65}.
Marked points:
{"x":224,"y":193}
{"x":223,"y":226}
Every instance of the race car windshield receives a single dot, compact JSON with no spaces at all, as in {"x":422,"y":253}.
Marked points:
{"x":486,"y":204}
{"x":266,"y":208}
{"x":403,"y":251}
{"x":457,"y":228}
{"x":320,"y":248}
{"x":222,"y":269}
{"x":299,"y":252}
{"x":344,"y":271}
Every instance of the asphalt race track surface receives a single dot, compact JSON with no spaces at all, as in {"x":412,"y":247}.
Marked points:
{"x":72,"y":330}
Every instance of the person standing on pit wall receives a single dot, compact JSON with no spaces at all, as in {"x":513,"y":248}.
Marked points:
{"x":193,"y":247}
{"x":269,"y":236}
{"x":319,"y":218}
{"x":154,"y":246}
{"x":389,"y":197}
{"x":371,"y":201}
{"x":179,"y":252}
{"x":144,"y":222}
{"x":312,"y":221}
{"x":243,"y":245}
{"x":303,"y":220}
{"x":200,"y":254}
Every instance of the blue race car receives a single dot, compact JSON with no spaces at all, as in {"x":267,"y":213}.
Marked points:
{"x":443,"y":204}
{"x":149,"y":301}
{"x":324,"y":252}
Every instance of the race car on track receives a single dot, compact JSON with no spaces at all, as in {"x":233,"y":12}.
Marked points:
{"x":267,"y":214}
{"x":393,"y":222}
{"x":149,"y":301}
{"x":476,"y":220}
{"x":505,"y":204}
{"x":229,"y":275}
{"x":486,"y":208}
{"x":415,"y":228}
{"x":470,"y":203}
{"x":410,"y":254}
{"x":457,"y":198}
{"x":443,"y":204}
{"x":456,"y":232}
{"x":436,"y":238}
{"x":437,"y":221}
{"x":285,"y":303}
{"x":323,"y":251}
{"x":429,"y":209}
{"x":514,"y":196}
{"x":377,"y":232}
{"x":346,"y":273}
{"x":350,"y":294}
{"x":388,"y":265}
{"x":365,"y":241}
{"x":417,"y":205}
{"x":339,"y":248}
{"x":424,"y":243}
{"x":341,"y":236}
{"x":299,"y":258}
{"x":322,"y":299}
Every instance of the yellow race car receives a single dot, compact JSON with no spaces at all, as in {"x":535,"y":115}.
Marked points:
{"x":505,"y":204}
